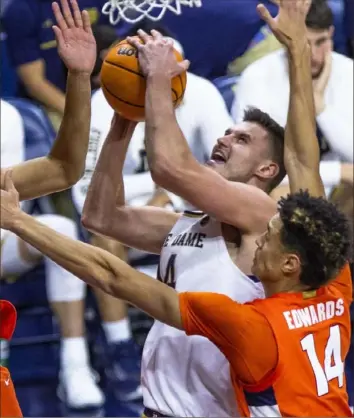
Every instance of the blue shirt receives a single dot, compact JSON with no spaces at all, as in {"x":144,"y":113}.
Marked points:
{"x":215,"y":34}
{"x":30,"y":37}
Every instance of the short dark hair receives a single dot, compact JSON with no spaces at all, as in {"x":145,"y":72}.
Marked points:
{"x":318,"y":232}
{"x":276,"y":134}
{"x":320,"y":16}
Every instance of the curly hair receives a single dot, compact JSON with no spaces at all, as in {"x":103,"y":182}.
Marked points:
{"x":318,"y":232}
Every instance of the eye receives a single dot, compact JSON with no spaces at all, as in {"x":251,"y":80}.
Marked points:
{"x":242,"y":138}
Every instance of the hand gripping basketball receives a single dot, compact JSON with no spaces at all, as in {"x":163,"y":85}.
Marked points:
{"x":123,"y":79}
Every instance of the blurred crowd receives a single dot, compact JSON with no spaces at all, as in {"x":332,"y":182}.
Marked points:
{"x":80,"y":350}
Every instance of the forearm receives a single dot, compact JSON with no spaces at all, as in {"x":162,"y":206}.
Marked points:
{"x":105,"y":194}
{"x":166,"y":146}
{"x":100,"y":269}
{"x":70,"y":147}
{"x":301,"y":153}
{"x":83,"y":260}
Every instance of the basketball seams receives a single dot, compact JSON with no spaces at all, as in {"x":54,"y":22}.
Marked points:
{"x":121,"y":100}
{"x":124,"y":68}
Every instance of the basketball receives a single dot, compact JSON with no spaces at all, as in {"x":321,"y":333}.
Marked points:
{"x":124,"y":85}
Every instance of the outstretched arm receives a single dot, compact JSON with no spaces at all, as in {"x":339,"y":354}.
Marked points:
{"x":93,"y":265}
{"x":171,"y":162}
{"x":105,"y":211}
{"x":65,"y":163}
{"x":301,"y":153}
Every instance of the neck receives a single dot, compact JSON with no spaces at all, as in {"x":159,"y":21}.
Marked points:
{"x":286,"y":285}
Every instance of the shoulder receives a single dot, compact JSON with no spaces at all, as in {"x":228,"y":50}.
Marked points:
{"x":342,"y":67}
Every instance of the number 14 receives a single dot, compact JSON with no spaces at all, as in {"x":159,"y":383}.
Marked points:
{"x":333,"y":364}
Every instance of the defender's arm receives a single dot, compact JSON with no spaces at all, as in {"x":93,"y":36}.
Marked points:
{"x":302,"y":153}
{"x":101,"y":269}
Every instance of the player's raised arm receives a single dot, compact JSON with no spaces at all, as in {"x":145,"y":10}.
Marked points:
{"x":66,"y":161}
{"x":301,"y":153}
{"x":105,"y":211}
{"x":93,"y":265}
{"x":171,"y":162}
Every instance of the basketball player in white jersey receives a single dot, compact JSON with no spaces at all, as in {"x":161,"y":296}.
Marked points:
{"x":59,"y":170}
{"x":181,"y":376}
{"x":188,"y":376}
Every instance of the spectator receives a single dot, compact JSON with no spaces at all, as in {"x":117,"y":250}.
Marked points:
{"x":265,"y":84}
{"x":32,"y":50}
{"x":65,"y":292}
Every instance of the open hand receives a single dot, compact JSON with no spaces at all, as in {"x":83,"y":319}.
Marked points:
{"x":9,"y":200}
{"x":76,"y":43}
{"x":289,"y":25}
{"x":156,"y":55}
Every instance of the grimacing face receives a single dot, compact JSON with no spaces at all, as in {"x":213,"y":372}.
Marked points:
{"x":242,"y":153}
{"x":320,"y":43}
{"x":272,"y":261}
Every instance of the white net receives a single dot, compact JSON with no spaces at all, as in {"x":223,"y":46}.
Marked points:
{"x":134,"y":11}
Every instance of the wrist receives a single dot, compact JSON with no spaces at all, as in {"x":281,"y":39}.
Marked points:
{"x":17,"y":218}
{"x":81,"y":75}
{"x":296,"y":49}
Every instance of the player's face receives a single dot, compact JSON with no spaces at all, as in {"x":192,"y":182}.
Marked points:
{"x":272,"y":261}
{"x":266,"y":263}
{"x":240,"y":152}
{"x":320,"y":42}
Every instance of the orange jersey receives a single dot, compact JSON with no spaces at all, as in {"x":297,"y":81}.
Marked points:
{"x":9,"y":406}
{"x":286,"y":352}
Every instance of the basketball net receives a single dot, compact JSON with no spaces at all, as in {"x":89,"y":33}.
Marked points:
{"x":134,"y":11}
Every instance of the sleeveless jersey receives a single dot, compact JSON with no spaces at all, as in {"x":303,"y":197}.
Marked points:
{"x":312,"y":330}
{"x":188,"y":376}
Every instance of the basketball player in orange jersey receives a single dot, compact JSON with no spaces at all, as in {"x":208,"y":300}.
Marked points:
{"x":286,"y":351}
{"x":65,"y":163}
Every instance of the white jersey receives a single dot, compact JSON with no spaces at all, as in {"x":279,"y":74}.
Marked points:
{"x":188,"y":376}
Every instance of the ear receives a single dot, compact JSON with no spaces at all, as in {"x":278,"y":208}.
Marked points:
{"x":291,"y":264}
{"x":267,"y":171}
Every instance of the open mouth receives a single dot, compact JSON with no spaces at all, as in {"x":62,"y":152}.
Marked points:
{"x":218,"y":158}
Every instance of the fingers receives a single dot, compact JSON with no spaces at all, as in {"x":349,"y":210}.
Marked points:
{"x":265,"y":15}
{"x":59,"y":16}
{"x":58,"y":35}
{"x":9,"y":185}
{"x":67,"y":13}
{"x":135,"y":42}
{"x":143,"y":35}
{"x":184,"y":65}
{"x":156,"y":35}
{"x":86,"y":21}
{"x":76,"y":13}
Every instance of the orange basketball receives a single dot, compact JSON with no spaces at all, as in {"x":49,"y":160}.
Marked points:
{"x":124,"y":85}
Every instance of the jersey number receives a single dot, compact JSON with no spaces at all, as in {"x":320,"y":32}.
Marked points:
{"x":333,"y":364}
{"x":170,"y":274}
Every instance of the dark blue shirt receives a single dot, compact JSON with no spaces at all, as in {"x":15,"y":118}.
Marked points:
{"x":215,"y":34}
{"x":28,"y":25}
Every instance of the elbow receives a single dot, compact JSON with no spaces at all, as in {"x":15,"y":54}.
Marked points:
{"x":73,"y":174}
{"x":92,"y":224}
